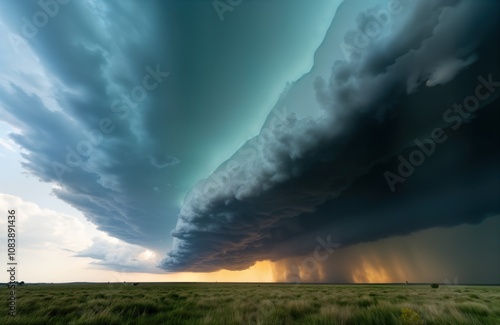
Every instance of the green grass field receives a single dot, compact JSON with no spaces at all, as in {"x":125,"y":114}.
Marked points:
{"x":157,"y":303}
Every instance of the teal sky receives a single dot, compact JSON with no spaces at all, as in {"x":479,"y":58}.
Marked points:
{"x":227,"y":77}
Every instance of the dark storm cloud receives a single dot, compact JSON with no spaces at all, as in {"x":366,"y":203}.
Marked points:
{"x":304,"y":178}
{"x":94,"y":55}
{"x":100,"y":158}
{"x":450,"y":256}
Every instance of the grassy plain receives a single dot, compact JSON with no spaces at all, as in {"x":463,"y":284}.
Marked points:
{"x":221,"y":303}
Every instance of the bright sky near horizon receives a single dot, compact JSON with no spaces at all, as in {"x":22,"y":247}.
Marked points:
{"x":345,"y":141}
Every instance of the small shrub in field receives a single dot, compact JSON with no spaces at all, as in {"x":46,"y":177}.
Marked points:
{"x":410,"y":317}
{"x":434,"y":286}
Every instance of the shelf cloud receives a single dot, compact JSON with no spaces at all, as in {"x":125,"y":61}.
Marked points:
{"x":336,"y":173}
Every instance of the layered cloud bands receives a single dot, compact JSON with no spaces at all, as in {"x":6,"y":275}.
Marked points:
{"x":77,"y":106}
{"x":120,"y":103}
{"x":426,"y":82}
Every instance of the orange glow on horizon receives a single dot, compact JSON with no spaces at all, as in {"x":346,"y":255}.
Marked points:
{"x":260,"y":272}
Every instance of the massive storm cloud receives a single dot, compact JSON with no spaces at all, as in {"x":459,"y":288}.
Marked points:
{"x":404,"y":139}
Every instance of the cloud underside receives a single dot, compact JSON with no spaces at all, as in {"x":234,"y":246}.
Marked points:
{"x":327,"y":175}
{"x":92,"y":142}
